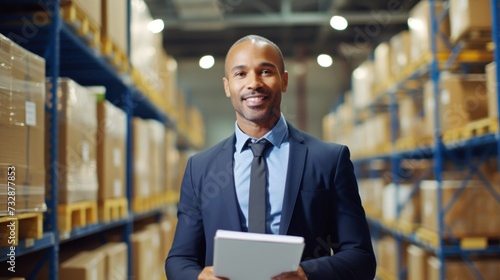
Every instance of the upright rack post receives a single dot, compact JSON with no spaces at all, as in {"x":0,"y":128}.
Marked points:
{"x":52,"y":55}
{"x":495,"y":33}
{"x":438,"y":145}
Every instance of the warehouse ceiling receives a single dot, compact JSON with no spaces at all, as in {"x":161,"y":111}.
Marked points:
{"x":197,"y":27}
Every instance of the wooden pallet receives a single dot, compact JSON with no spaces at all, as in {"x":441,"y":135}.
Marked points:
{"x":405,"y":228}
{"x":411,"y":143}
{"x":112,"y":209}
{"x":75,"y":215}
{"x":142,"y":204}
{"x":456,"y":135}
{"x":475,"y":38}
{"x":114,"y":54}
{"x":18,"y":227}
{"x":83,"y":25}
{"x":483,"y":127}
{"x":431,"y":237}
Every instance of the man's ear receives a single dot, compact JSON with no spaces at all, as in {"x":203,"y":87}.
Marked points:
{"x":226,"y":86}
{"x":284,"y":81}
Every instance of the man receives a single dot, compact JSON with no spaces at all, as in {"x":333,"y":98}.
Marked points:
{"x":311,"y":187}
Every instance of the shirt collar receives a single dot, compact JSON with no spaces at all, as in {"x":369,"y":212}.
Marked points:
{"x":277,"y":135}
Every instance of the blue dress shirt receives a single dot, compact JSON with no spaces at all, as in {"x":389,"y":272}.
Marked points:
{"x":277,"y":164}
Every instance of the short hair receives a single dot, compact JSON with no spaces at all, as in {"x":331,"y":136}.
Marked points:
{"x":265,"y":40}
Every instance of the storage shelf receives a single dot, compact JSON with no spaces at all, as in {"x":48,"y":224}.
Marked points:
{"x":29,"y":246}
{"x":446,"y":250}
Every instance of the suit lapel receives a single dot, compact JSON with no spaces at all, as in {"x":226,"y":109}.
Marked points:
{"x":296,"y":163}
{"x":229,"y":193}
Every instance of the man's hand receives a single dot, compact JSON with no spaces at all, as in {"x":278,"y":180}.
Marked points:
{"x":294,"y":275}
{"x":208,"y":274}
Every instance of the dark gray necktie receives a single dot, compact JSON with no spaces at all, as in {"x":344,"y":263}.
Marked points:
{"x":257,"y":199}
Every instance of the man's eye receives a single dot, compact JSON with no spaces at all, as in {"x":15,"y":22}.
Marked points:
{"x":239,"y":74}
{"x":266,"y":72}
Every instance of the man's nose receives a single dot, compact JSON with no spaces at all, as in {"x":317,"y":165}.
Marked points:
{"x":254,"y":82}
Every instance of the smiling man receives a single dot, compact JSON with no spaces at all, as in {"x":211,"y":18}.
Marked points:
{"x":310,"y":189}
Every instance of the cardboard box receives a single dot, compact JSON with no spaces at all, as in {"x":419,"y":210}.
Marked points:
{"x":400,"y":51}
{"x":458,"y":269}
{"x":419,"y":24}
{"x":461,"y":218}
{"x":417,"y":263}
{"x":371,"y":191}
{"x":383,"y":69}
{"x":492,"y":86}
{"x":469,"y":16}
{"x":387,"y":258}
{"x":115,"y":260}
{"x":91,"y":8}
{"x":462,"y":99}
{"x":22,"y":114}
{"x":411,"y":117}
{"x":114,"y":22}
{"x":142,"y":185}
{"x":362,"y":84}
{"x":86,"y":265}
{"x":157,"y":156}
{"x":144,"y":254}
{"x":401,"y":195}
{"x":77,"y":123}
{"x":111,"y":160}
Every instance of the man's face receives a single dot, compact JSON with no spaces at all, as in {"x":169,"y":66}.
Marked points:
{"x":255,"y":82}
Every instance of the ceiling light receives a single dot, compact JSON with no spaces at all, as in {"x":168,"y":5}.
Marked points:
{"x":207,"y":62}
{"x":338,"y":23}
{"x":325,"y":60}
{"x":156,"y":26}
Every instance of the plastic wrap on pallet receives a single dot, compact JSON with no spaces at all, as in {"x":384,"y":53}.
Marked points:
{"x":77,"y":124}
{"x":22,"y":97}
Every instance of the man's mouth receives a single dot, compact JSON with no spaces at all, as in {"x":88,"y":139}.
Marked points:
{"x":255,"y":100}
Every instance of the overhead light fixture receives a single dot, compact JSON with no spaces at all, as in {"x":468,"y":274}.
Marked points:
{"x":207,"y":61}
{"x":338,"y":23}
{"x":156,"y":26}
{"x":324,"y":60}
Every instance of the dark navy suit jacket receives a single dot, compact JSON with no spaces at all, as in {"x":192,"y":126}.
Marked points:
{"x":321,"y":204}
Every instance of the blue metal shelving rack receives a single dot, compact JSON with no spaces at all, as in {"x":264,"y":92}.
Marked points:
{"x":66,"y":54}
{"x":477,"y":148}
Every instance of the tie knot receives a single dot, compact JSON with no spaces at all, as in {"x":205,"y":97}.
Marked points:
{"x":258,"y":148}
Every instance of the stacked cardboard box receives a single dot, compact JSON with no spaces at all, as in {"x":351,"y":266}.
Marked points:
{"x":362,"y":84}
{"x":146,"y":252}
{"x":400,"y":51}
{"x":77,"y":126}
{"x":417,"y":262}
{"x":86,"y":265}
{"x":491,"y":85}
{"x":404,"y":197}
{"x":111,"y":135}
{"x":387,"y":256}
{"x":419,"y":23}
{"x":115,"y":260}
{"x":469,"y":16}
{"x":462,"y":99}
{"x":140,"y":139}
{"x":22,"y":113}
{"x":157,"y":156}
{"x":383,"y":69}
{"x":489,"y":269}
{"x":462,"y":218}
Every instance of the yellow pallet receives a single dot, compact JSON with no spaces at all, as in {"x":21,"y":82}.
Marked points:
{"x":113,"y":209}
{"x":483,"y":127}
{"x":21,"y":226}
{"x":456,"y":135}
{"x":77,"y":18}
{"x":405,"y":228}
{"x":115,"y":55}
{"x":75,"y":215}
{"x":431,"y":237}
